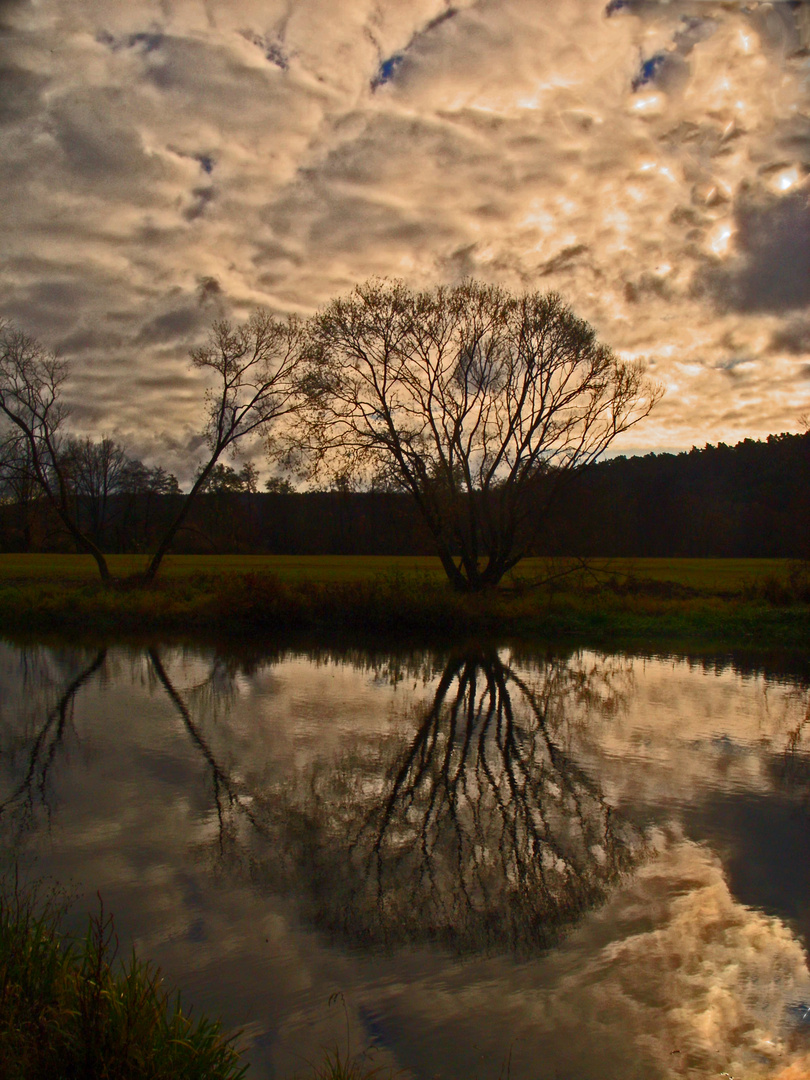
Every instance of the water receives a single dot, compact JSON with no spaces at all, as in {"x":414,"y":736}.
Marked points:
{"x":523,"y":863}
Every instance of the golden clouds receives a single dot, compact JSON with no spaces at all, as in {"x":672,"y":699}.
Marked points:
{"x":485,"y":138}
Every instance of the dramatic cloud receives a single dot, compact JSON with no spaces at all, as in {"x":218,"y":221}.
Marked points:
{"x":167,"y":162}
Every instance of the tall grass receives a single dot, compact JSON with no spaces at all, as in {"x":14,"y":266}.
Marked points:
{"x":70,"y":1011}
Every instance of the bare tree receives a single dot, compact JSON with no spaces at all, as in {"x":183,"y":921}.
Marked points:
{"x":31,"y":381}
{"x":97,"y":471}
{"x":255,"y":383}
{"x":253,"y":364}
{"x":476,"y":401}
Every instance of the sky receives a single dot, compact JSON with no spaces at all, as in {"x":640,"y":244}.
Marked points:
{"x":168,"y":163}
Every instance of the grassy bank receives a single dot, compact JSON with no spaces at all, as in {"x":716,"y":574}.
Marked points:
{"x":70,"y":1011}
{"x":738,"y":602}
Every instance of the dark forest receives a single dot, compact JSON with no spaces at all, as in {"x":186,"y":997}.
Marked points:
{"x":746,"y":501}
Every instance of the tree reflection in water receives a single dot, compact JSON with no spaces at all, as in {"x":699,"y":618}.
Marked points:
{"x":48,"y":742}
{"x":209,"y":694}
{"x":482,"y":833}
{"x":791,"y":771}
{"x":479,"y":830}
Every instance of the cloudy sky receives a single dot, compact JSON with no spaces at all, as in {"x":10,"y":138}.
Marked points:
{"x":166,"y":162}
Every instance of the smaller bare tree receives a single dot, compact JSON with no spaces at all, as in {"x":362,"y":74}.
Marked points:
{"x":97,"y":472}
{"x":31,"y":381}
{"x":255,"y":383}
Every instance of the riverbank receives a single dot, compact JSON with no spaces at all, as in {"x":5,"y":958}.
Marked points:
{"x":70,"y":1007}
{"x":613,"y":606}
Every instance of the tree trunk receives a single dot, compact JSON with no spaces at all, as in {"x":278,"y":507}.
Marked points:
{"x":172,"y":531}
{"x":86,"y":543}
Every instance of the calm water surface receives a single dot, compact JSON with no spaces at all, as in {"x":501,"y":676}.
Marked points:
{"x":558,"y":866}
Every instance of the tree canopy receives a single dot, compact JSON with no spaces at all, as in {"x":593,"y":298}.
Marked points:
{"x":470,"y":398}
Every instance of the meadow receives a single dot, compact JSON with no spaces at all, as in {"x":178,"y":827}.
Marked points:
{"x":614,"y":601}
{"x":721,"y":577}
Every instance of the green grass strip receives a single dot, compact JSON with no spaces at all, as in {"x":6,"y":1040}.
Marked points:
{"x":611,"y":610}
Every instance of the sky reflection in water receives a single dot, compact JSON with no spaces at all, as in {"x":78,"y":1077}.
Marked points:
{"x":597,"y":865}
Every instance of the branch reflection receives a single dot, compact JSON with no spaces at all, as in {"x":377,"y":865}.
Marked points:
{"x":45,"y":745}
{"x":791,"y":770}
{"x":482,"y":832}
{"x":210,"y":694}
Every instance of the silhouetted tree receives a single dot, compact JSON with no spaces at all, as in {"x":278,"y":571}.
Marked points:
{"x":255,"y":370}
{"x":278,"y":485}
{"x":223,"y":479}
{"x":31,"y":381}
{"x":472,"y":399}
{"x":95,"y":473}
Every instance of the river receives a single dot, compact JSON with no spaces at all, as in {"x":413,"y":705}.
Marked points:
{"x":523,"y":861}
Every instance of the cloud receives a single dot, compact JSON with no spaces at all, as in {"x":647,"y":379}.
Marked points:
{"x":20,"y":92}
{"x":715,"y":995}
{"x":772,"y":270}
{"x":391,"y":65}
{"x":10,"y":8}
{"x":650,"y":165}
{"x":177,"y":323}
{"x":793,"y":336}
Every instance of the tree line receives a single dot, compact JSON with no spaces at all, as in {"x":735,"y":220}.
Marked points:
{"x":477,"y":403}
{"x":751,"y":500}
{"x":744,"y":501}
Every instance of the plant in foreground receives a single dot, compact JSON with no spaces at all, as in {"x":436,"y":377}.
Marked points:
{"x":69,"y":1011}
{"x":339,"y":1065}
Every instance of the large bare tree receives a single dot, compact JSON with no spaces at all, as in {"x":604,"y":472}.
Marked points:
{"x":477,"y":401}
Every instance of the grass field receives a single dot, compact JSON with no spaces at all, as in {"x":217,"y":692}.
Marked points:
{"x":710,"y":576}
{"x":746,"y":602}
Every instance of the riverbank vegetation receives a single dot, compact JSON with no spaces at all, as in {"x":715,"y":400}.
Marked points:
{"x":70,"y":1009}
{"x":603,"y":601}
